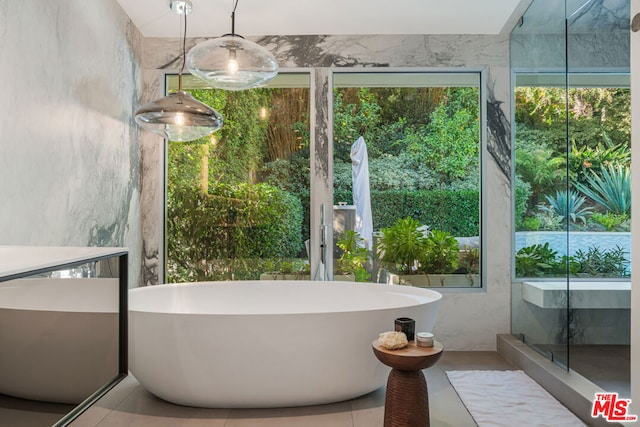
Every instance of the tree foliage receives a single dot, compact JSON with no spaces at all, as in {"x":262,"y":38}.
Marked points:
{"x":570,"y":136}
{"x":244,"y":193}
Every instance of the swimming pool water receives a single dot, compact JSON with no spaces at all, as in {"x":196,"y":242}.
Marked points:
{"x":576,"y":240}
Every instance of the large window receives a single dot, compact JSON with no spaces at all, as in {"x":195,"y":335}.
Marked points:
{"x":238,"y":201}
{"x":407,"y":181}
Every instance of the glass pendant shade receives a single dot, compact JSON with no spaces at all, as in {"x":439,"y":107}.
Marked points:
{"x":232,"y":63}
{"x":179,"y":117}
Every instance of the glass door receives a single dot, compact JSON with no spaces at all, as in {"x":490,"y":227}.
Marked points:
{"x":599,"y":176}
{"x":540,"y":298}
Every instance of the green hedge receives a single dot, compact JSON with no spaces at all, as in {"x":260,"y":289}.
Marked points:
{"x":231,"y":222}
{"x":456,"y":212}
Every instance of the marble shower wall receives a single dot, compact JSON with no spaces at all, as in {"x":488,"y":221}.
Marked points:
{"x":468,"y":320}
{"x":69,"y":150}
{"x":598,"y":37}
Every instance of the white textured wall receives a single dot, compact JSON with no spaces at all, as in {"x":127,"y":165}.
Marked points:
{"x":69,"y":152}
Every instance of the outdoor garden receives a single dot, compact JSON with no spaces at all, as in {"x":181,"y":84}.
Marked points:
{"x":238,"y":203}
{"x":573,"y":203}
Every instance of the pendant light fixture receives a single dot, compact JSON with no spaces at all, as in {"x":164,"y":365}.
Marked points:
{"x":178,"y":116}
{"x":232,"y":63}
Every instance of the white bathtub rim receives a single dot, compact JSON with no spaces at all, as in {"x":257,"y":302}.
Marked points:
{"x":414,"y":297}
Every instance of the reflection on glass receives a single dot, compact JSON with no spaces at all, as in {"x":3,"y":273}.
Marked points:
{"x":59,"y":340}
{"x":572,"y":189}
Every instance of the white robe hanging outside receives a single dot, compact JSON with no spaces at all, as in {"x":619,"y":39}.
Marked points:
{"x":361,"y":193}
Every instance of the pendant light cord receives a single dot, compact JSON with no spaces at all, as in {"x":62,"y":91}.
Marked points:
{"x":184,"y":53}
{"x":233,"y":18}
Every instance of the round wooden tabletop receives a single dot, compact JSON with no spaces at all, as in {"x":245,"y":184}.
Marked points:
{"x":410,"y":358}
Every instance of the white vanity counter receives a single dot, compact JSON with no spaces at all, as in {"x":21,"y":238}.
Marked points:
{"x":22,"y":260}
{"x":63,"y":316}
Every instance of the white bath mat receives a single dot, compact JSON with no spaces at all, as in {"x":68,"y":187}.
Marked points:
{"x":508,"y":399}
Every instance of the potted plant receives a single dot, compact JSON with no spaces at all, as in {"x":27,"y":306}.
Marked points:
{"x":286,"y":271}
{"x":441,"y":261}
{"x":469,"y":260}
{"x":400,"y":247}
{"x":354,"y":259}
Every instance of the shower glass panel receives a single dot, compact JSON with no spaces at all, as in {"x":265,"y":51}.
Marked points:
{"x":571,"y":289}
{"x":599,"y":174}
{"x":540,"y":315}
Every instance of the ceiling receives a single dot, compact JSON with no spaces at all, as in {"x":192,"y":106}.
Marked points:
{"x":212,"y":18}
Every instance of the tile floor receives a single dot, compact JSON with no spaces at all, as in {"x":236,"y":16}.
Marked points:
{"x":27,"y":413}
{"x":130,"y":405}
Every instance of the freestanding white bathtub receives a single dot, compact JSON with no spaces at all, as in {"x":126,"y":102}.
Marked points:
{"x":266,"y":343}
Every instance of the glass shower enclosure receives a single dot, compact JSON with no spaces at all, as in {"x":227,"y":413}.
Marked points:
{"x":571,"y":133}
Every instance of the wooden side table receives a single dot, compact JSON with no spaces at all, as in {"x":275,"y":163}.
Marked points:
{"x":407,"y":400}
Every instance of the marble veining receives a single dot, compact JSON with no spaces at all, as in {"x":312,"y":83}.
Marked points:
{"x":484,"y":314}
{"x":595,"y":15}
{"x":597,"y":38}
{"x":499,"y":134}
{"x":321,"y":134}
{"x":69,"y":154}
{"x":355,"y":50}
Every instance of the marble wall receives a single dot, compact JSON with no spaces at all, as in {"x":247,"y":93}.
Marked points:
{"x":597,"y":37}
{"x":69,"y":151}
{"x":469,"y":320}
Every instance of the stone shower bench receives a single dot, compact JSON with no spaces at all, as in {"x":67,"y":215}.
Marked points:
{"x":583,"y":294}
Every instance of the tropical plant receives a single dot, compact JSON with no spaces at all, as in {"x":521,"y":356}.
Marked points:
{"x":536,"y":260}
{"x":531,"y":223}
{"x":610,"y":221}
{"x":541,"y":260}
{"x":469,"y":261}
{"x":597,"y":263}
{"x":611,"y":188}
{"x":567,"y":203}
{"x":536,"y":166}
{"x":522,"y":195}
{"x":355,"y":256}
{"x":402,"y":245}
{"x":441,"y":253}
{"x":550,"y":221}
{"x":585,"y":158}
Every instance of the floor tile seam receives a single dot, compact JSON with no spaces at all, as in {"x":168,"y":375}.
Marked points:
{"x":130,"y":395}
{"x":109,"y":411}
{"x":353,"y":421}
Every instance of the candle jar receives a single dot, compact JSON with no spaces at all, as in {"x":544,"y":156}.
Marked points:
{"x":424,"y":339}
{"x":406,"y":325}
